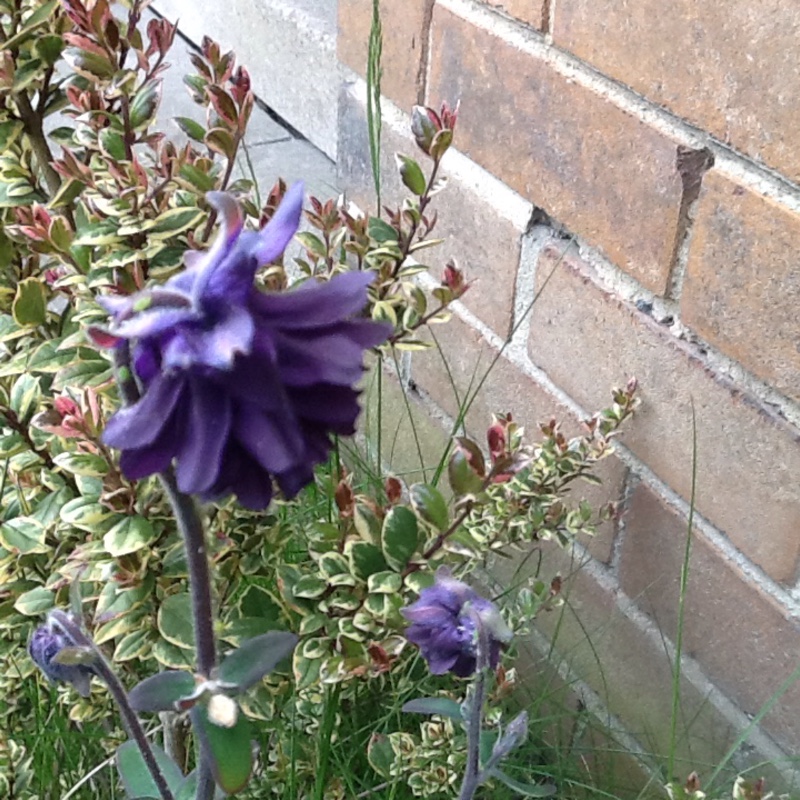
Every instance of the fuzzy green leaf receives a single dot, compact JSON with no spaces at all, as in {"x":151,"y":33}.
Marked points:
{"x":160,"y":692}
{"x":229,"y":749}
{"x":84,"y":464}
{"x":136,"y":778}
{"x":440,"y":706}
{"x":525,"y":789}
{"x":380,"y":754}
{"x":257,"y":657}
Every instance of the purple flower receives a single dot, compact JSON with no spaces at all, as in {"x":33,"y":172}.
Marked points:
{"x":240,"y":387}
{"x":447,"y":622}
{"x":45,"y":644}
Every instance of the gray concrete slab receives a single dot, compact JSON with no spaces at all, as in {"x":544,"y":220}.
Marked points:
{"x":289,"y":47}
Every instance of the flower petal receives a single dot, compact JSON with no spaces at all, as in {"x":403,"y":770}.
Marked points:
{"x":139,"y":425}
{"x":314,"y":304}
{"x":278,"y":232}
{"x":208,"y":425}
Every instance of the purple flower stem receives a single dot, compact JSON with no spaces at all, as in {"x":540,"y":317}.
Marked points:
{"x":117,"y":690}
{"x":473,"y":777}
{"x":194,"y":542}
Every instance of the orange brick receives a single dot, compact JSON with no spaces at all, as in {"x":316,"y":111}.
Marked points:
{"x":748,"y":458}
{"x":506,"y":389}
{"x":730,"y":68}
{"x":605,"y":175}
{"x":744,"y":641}
{"x":485,"y":243}
{"x":742,"y":287}
{"x":530,"y":11}
{"x":405,"y":29}
{"x":628,"y":669}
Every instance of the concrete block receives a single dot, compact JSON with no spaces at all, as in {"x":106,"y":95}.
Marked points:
{"x":289,"y":48}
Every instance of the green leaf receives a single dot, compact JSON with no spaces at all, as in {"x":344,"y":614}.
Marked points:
{"x":365,"y":559}
{"x":367,"y":523}
{"x":84,"y":513}
{"x":25,"y":394}
{"x":97,"y":233}
{"x":188,"y":788}
{"x":40,"y":16}
{"x":175,"y":220}
{"x":229,"y":749}
{"x":30,"y":303}
{"x":257,"y":657}
{"x":199,"y":179}
{"x":112,"y":144}
{"x":220,"y":141}
{"x":132,"y":645}
{"x":305,"y":670}
{"x":175,"y":620}
{"x":430,"y":505}
{"x":131,"y":534}
{"x":93,"y":66}
{"x":411,"y":174}
{"x":9,"y":133}
{"x":385,"y":583}
{"x":380,"y":754}
{"x":136,"y":778}
{"x":23,"y":535}
{"x":381,"y":231}
{"x":309,"y":587}
{"x":192,"y":128}
{"x":17,"y":193}
{"x":161,"y":692}
{"x":86,"y":464}
{"x":463,"y":477}
{"x":400,"y":537}
{"x":525,"y":789}
{"x":35,"y":602}
{"x":145,"y":104}
{"x":441,"y":706}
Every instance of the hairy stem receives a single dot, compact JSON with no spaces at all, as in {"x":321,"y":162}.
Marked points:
{"x":117,"y":690}
{"x":191,"y":528}
{"x":472,"y":775}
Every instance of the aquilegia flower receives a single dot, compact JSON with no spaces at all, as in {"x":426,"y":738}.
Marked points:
{"x":447,"y":623}
{"x":240,"y":387}
{"x":47,"y":642}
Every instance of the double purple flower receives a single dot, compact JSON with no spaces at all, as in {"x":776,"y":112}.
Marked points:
{"x":240,"y":387}
{"x":450,"y":621}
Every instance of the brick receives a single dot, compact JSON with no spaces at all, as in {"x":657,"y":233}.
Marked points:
{"x":748,"y":458}
{"x":742,"y":286}
{"x":483,"y":239}
{"x":629,"y":670}
{"x":398,"y":416}
{"x":405,"y":28}
{"x":530,"y":11}
{"x":608,"y":177}
{"x":726,"y":68}
{"x":577,"y":738}
{"x":507,"y":389}
{"x":744,"y":641}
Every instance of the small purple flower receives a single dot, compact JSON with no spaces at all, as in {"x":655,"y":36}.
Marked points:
{"x":446,"y":624}
{"x":240,"y":387}
{"x":46,"y":643}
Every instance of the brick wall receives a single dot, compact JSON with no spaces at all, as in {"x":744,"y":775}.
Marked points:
{"x":648,"y":158}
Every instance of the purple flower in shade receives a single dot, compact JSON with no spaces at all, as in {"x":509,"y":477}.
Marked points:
{"x":447,"y":622}
{"x":240,"y":387}
{"x":46,"y":643}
